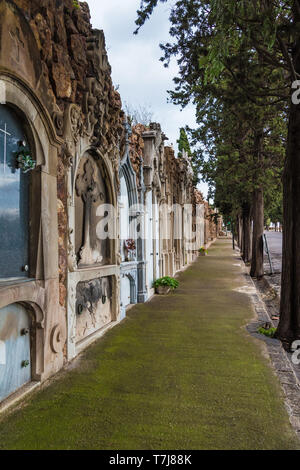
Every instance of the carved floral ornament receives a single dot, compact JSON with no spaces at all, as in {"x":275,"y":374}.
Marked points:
{"x":57,"y":338}
{"x":67,"y":154}
{"x":76,"y":122}
{"x":58,"y":120}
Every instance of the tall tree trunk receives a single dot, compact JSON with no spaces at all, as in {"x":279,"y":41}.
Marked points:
{"x":246,"y":223}
{"x":257,"y":262}
{"x":289,"y":324}
{"x":238,"y":232}
{"x":242,"y":235}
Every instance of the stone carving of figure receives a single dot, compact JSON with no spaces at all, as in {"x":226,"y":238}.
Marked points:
{"x":89,"y":189}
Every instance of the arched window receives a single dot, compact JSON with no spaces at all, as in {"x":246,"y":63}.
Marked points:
{"x":14,"y":195}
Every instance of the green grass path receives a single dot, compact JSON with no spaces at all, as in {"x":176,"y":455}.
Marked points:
{"x":180,"y":373}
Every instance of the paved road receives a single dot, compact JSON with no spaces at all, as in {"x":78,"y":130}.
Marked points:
{"x":275,"y":247}
{"x":180,"y":372}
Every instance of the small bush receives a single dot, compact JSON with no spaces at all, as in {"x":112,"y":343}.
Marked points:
{"x":76,"y":4}
{"x":203,"y":250}
{"x":270,"y":332}
{"x":166,"y":281}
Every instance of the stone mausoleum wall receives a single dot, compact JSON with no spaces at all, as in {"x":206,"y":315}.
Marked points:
{"x":55,"y":84}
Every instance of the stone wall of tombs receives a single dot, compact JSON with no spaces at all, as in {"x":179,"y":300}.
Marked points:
{"x":56,"y":77}
{"x":56,"y":80}
{"x":130,"y":254}
{"x":211,"y":224}
{"x":183,"y":220}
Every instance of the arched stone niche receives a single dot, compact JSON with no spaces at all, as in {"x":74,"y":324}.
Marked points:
{"x":128,"y":290}
{"x":124,"y":218}
{"x":166,"y":243}
{"x":15,"y":205}
{"x":129,"y":221}
{"x":93,"y":275}
{"x":38,"y":283}
{"x":91,"y":191}
{"x":150,"y":233}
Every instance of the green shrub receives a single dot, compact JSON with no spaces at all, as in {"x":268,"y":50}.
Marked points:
{"x":76,"y":4}
{"x":270,"y":332}
{"x":203,"y":250}
{"x":166,"y":281}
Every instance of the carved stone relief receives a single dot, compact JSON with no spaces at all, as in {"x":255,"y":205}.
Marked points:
{"x":91,"y":192}
{"x":93,"y":306}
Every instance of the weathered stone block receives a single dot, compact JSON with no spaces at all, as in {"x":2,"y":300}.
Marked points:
{"x":62,"y":81}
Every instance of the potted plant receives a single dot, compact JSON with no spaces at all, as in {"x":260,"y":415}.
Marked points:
{"x":203,"y":251}
{"x":163,"y":285}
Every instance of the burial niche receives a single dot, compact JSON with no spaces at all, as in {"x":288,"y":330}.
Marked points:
{"x":91,"y":192}
{"x":124,"y":221}
{"x":15,"y":165}
{"x":15,"y":349}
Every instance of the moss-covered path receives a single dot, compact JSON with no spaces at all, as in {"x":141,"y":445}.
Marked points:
{"x":180,"y":373}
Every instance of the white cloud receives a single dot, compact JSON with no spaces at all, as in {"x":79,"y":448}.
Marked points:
{"x":7,"y":179}
{"x":9,"y":213}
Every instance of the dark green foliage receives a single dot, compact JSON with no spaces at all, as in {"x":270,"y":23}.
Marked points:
{"x":270,"y":332}
{"x":183,"y":143}
{"x":227,"y":53}
{"x":274,"y":204}
{"x":166,"y":281}
{"x":24,"y":160}
{"x":237,"y":63}
{"x":146,"y":10}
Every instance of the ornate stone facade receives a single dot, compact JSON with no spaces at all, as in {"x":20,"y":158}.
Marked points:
{"x":129,"y":214}
{"x":55,"y":73}
{"x":175,"y":218}
{"x":74,"y":284}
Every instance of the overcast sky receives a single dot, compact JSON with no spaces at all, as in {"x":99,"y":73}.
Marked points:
{"x":136,"y":69}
